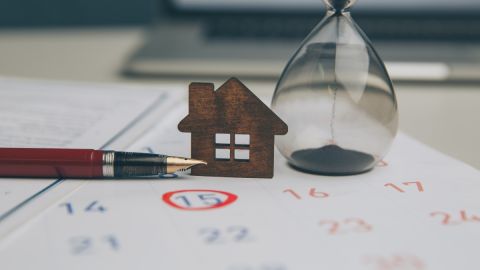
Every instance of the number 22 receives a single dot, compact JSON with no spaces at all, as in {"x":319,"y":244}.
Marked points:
{"x":230,"y":234}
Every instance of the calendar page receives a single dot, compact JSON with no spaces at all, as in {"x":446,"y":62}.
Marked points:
{"x":418,"y":209}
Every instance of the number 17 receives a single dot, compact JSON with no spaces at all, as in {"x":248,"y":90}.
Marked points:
{"x":397,"y":188}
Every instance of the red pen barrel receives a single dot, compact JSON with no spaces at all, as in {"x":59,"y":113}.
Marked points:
{"x":40,"y":162}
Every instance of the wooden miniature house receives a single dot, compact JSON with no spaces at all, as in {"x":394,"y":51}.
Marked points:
{"x":232,"y":130}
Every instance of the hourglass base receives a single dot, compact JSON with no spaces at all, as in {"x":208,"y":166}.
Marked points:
{"x":332,"y":160}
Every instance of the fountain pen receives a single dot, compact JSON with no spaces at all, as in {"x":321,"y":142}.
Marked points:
{"x":87,"y":163}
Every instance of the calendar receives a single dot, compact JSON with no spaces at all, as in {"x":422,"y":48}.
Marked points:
{"x":417,"y":210}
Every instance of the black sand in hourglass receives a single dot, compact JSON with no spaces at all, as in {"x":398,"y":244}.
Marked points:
{"x":331,"y":160}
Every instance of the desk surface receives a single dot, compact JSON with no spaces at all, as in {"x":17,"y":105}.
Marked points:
{"x":442,"y":116}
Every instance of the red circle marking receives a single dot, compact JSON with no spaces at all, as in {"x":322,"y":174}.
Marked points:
{"x":230,"y":199}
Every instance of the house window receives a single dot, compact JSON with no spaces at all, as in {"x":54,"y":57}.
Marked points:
{"x":222,"y":154}
{"x":242,"y":139}
{"x":222,"y":138}
{"x":242,"y":154}
{"x":232,"y":147}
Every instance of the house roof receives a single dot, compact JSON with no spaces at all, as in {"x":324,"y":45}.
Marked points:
{"x":232,"y":108}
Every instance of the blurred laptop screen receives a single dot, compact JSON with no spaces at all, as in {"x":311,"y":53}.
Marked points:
{"x":299,"y":5}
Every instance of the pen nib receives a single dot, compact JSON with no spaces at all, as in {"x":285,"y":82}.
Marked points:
{"x":175,"y":164}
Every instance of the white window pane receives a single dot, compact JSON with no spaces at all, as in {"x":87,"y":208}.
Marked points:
{"x":222,"y":153}
{"x":222,"y":138}
{"x":242,"y":154}
{"x":242,"y":139}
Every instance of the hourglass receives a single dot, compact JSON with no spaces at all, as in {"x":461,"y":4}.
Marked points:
{"x":337,"y":99}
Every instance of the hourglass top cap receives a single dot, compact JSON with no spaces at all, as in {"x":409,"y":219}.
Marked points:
{"x":339,"y":5}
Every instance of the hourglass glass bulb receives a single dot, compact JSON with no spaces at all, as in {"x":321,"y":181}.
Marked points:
{"x":337,"y":99}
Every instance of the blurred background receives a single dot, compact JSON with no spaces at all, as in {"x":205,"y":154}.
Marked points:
{"x":58,"y":13}
{"x":431,"y":49}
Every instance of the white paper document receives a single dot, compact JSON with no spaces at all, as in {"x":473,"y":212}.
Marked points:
{"x":418,"y":209}
{"x":63,"y":114}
